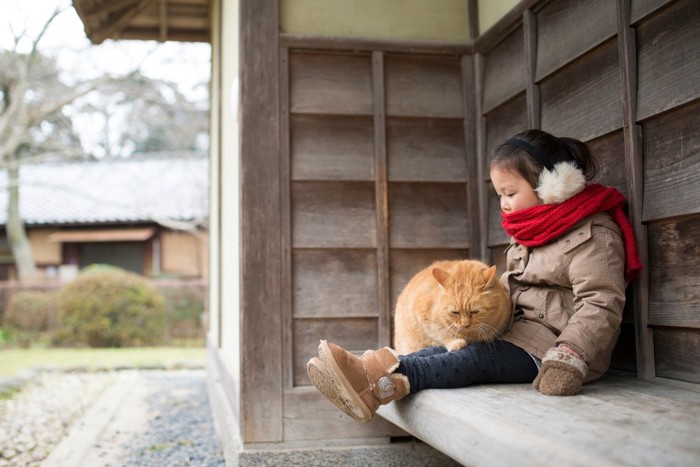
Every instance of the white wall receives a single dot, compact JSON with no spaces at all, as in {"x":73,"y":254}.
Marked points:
{"x":225,"y":194}
{"x":443,"y":20}
{"x":490,"y":11}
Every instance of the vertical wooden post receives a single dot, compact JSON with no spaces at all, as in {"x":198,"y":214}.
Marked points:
{"x":480,"y":134}
{"x":470,"y":154}
{"x":382,"y":198}
{"x":531,"y":86}
{"x":260,"y":314}
{"x":473,"y":9}
{"x":627,"y":49}
{"x":475,"y":128}
{"x":285,"y":221}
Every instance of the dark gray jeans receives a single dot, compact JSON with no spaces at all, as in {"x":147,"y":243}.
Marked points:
{"x":477,"y":363}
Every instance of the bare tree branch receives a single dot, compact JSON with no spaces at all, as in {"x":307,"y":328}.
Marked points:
{"x":35,"y":42}
{"x":37,"y":112}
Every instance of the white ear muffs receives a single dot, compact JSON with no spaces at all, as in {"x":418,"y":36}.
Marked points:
{"x":560,"y":184}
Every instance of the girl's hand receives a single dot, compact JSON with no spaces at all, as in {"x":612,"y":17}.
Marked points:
{"x":562,"y":372}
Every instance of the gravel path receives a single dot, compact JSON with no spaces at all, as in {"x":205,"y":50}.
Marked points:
{"x":163,"y":418}
{"x":182,"y":432}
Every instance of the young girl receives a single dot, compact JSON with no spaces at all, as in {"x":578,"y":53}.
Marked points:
{"x":571,"y":253}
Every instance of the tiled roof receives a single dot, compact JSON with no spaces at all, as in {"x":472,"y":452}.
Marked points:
{"x":151,"y":188}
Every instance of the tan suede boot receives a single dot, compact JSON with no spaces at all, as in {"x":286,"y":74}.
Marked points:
{"x":357,"y":386}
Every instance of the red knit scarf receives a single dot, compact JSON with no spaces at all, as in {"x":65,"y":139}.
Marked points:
{"x":541,"y":224}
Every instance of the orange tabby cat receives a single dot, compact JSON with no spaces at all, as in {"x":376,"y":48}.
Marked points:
{"x":450,"y":304}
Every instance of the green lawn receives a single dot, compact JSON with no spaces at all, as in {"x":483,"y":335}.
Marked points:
{"x":14,"y":360}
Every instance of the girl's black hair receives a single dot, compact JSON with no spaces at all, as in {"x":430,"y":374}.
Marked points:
{"x":511,"y":158}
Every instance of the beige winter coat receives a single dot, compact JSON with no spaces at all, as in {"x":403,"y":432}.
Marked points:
{"x":569,"y":291}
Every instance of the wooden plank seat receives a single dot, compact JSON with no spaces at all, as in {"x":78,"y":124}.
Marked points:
{"x":618,"y":420}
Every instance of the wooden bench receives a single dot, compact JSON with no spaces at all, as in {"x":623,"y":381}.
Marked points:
{"x":618,"y":420}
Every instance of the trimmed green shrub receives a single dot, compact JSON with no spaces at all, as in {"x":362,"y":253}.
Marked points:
{"x":30,"y":310}
{"x":110,"y":307}
{"x":185,"y":302}
{"x":30,"y":317}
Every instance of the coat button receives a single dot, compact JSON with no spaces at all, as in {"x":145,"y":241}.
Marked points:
{"x":541,"y":315}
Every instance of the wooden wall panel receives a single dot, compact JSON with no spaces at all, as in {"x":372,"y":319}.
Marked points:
{"x":407,"y":263}
{"x":504,"y":122}
{"x":423,"y":87}
{"x":353,"y":334}
{"x":335,"y":283}
{"x":609,"y":151}
{"x":669,"y":58}
{"x":641,"y":8}
{"x":426,"y":150}
{"x":327,"y":215}
{"x":674,"y":272}
{"x":339,"y":148}
{"x":309,"y":416}
{"x":497,"y":236}
{"x":567,"y":29}
{"x":501,"y":79}
{"x":330,"y":84}
{"x":582,"y":100}
{"x":498,"y":257}
{"x":671,"y":143}
{"x":428,"y":215}
{"x":678,"y":354}
{"x":584,"y":75}
{"x":352,"y":112}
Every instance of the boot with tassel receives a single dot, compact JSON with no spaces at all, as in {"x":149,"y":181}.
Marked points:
{"x":357,"y":385}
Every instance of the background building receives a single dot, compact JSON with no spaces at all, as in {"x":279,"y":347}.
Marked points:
{"x":147,"y":214}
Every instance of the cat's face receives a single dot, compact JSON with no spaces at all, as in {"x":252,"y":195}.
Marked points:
{"x":472,"y":305}
{"x":465,"y":319}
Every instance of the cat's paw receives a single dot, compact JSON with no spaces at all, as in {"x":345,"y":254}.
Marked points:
{"x":456,"y":344}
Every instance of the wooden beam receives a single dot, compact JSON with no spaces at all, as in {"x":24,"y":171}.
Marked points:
{"x":260,"y":247}
{"x":107,"y":7}
{"x":627,"y":49}
{"x":112,"y":26}
{"x":382,"y":198}
{"x":481,"y":167}
{"x":473,"y":8}
{"x":532,"y":89}
{"x":173,"y":35}
{"x":286,"y":222}
{"x":471,"y":154}
{"x":163,"y":14}
{"x":471,"y":94}
{"x":298,"y":41}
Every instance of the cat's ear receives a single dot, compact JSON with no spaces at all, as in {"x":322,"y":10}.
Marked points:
{"x":441,"y":276}
{"x":489,"y":276}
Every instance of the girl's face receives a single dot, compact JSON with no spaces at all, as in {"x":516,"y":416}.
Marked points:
{"x":514,"y":191}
